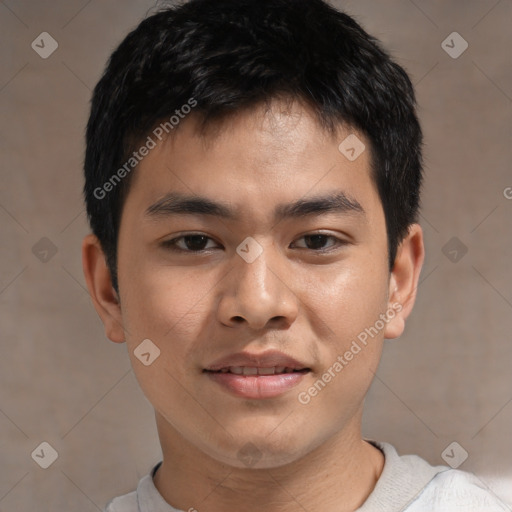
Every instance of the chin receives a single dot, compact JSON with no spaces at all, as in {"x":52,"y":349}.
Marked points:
{"x":256,"y":451}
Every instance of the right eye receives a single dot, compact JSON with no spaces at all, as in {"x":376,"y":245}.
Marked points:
{"x":194,"y":243}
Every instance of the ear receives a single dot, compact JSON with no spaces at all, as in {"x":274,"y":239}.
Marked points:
{"x":99,"y":283}
{"x":403,"y":282}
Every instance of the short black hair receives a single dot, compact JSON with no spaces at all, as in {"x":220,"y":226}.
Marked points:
{"x":223,"y":56}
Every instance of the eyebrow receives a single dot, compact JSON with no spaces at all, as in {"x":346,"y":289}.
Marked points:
{"x":179,"y":204}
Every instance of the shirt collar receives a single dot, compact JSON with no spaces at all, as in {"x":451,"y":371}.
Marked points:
{"x":148,"y":497}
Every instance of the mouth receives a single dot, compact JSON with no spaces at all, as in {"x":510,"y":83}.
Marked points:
{"x":259,"y":371}
{"x":257,"y":376}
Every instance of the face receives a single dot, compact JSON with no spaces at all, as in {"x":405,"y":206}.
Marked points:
{"x":255,"y":259}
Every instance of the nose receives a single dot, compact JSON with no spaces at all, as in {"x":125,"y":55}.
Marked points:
{"x":258,"y":294}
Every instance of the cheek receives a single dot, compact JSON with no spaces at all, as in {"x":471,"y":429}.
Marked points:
{"x":344,"y":308}
{"x":161,"y":299}
{"x":345,"y":301}
{"x":172,"y":307}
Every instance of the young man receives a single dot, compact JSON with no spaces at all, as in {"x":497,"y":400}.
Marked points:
{"x":252,"y":182}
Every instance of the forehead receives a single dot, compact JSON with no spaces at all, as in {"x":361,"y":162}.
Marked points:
{"x":261,"y":156}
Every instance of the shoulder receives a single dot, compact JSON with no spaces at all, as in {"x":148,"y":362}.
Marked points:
{"x":126,"y":503}
{"x":410,"y":484}
{"x":456,"y":491}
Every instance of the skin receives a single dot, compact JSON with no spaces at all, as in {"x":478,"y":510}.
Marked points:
{"x":198,"y":307}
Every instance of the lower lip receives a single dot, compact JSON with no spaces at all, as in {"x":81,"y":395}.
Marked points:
{"x":257,"y":386}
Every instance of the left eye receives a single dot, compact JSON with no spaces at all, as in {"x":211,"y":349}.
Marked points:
{"x":318,"y":241}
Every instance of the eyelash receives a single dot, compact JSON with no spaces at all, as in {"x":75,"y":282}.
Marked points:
{"x":172,"y":244}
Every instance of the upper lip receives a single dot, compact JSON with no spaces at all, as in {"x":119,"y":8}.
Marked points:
{"x":267,"y":359}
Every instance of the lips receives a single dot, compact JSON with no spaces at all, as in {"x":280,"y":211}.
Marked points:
{"x":257,"y":364}
{"x":257,"y":376}
{"x":254,"y":370}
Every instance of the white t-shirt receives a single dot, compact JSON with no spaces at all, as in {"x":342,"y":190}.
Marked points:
{"x":407,"y":484}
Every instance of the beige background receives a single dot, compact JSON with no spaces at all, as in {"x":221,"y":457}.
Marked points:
{"x":61,"y":381}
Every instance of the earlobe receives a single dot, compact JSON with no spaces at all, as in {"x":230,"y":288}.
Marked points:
{"x":99,"y":283}
{"x":403,"y":282}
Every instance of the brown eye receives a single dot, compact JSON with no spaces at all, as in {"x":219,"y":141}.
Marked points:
{"x":315,"y":241}
{"x":189,"y":243}
{"x":195,"y":242}
{"x":318,"y":242}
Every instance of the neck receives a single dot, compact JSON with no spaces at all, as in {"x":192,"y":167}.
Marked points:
{"x":338,"y":476}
